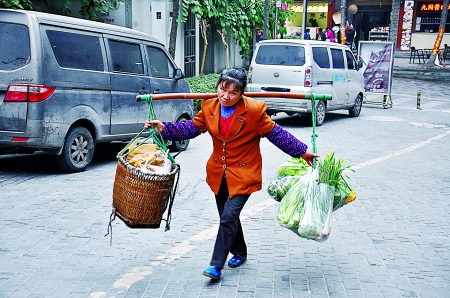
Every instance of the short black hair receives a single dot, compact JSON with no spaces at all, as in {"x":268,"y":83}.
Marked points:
{"x":235,"y":76}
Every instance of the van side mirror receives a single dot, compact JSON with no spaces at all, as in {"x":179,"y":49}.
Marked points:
{"x":179,"y":74}
{"x":360,"y":64}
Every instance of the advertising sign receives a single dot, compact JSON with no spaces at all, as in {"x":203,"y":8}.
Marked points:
{"x":378,"y":60}
{"x":407,"y":25}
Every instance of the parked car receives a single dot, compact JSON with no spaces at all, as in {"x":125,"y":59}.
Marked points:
{"x":307,"y":66}
{"x":67,"y":84}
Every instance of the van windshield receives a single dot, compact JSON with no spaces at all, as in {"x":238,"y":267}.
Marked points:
{"x":15,"y":41}
{"x":281,"y":55}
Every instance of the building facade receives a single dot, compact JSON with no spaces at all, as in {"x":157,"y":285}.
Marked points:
{"x":416,"y":21}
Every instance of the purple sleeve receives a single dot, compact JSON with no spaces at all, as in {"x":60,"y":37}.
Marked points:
{"x":286,"y":142}
{"x":179,"y":131}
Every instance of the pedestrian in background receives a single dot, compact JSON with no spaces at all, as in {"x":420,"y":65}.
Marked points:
{"x":236,"y":124}
{"x":350,"y":36}
{"x":259,"y":36}
{"x":307,"y":34}
{"x":321,"y":35}
{"x":330,"y":35}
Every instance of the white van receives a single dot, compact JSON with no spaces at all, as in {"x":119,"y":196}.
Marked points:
{"x":307,"y":66}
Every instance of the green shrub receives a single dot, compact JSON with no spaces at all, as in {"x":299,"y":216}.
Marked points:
{"x":206,"y":84}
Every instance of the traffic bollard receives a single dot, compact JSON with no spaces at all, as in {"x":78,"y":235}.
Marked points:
{"x":418,"y":101}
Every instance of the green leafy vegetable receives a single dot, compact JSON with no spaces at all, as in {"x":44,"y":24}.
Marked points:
{"x":293,"y":167}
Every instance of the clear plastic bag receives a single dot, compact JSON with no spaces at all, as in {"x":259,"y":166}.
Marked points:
{"x":291,"y":207}
{"x":317,"y":213}
{"x":279,"y":186}
{"x":306,"y":209}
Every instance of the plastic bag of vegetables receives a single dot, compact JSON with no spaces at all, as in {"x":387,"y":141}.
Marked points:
{"x":315,"y":223}
{"x":289,"y":173}
{"x":306,"y":208}
{"x":279,"y":186}
{"x":291,"y":207}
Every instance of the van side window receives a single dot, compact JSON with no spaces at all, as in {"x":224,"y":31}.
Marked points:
{"x":126,"y":57}
{"x":351,"y":64}
{"x":76,"y":50}
{"x":160,"y":65}
{"x":320,"y":56}
{"x":15,"y":41}
{"x":281,"y":55}
{"x":338,"y":58}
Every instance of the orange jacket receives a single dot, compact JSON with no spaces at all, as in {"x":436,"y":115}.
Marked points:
{"x":238,"y":156}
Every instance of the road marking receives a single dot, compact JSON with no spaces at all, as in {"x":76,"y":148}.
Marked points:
{"x":409,"y":149}
{"x":139,"y":273}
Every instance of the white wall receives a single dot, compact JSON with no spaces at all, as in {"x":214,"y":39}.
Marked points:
{"x":424,"y":40}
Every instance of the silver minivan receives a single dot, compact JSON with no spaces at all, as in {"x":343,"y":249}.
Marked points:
{"x":307,"y":66}
{"x":67,"y":84}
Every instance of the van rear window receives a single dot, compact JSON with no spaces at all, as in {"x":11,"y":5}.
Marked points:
{"x":76,"y":50}
{"x":15,"y":41}
{"x":281,"y":55}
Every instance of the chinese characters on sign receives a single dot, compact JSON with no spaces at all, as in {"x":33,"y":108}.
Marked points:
{"x":432,"y":7}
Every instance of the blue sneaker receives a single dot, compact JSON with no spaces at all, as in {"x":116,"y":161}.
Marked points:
{"x":236,"y":261}
{"x":212,"y":272}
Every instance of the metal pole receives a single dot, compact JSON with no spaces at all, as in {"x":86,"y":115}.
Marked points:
{"x":305,"y":13}
{"x":276,"y":23}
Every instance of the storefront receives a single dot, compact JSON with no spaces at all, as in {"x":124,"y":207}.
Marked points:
{"x":317,"y":16}
{"x":422,"y":19}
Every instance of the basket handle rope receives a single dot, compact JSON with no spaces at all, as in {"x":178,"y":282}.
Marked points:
{"x":155,"y":134}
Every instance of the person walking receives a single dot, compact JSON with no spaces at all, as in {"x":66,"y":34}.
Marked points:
{"x":259,"y":35}
{"x":321,"y":35}
{"x":350,"y":36}
{"x":307,"y":34}
{"x":330,"y":35}
{"x":236,"y":124}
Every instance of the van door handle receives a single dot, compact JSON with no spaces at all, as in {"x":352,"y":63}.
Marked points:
{"x":143,"y":91}
{"x":157,"y":91}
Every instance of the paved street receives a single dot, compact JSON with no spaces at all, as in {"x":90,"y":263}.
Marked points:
{"x":390,"y":242}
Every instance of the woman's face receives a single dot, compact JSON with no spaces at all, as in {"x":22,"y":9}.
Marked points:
{"x":228,"y":95}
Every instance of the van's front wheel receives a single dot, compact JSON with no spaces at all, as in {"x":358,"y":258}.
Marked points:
{"x":356,"y":109}
{"x":178,"y":146}
{"x":320,"y":113}
{"x":78,"y":150}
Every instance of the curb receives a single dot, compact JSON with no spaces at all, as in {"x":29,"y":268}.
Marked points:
{"x":422,"y":73}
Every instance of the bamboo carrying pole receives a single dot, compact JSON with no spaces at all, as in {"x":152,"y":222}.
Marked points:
{"x":146,"y":97}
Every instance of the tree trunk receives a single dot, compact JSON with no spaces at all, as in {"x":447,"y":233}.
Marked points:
{"x":393,"y":30}
{"x":225,"y":45}
{"x":203,"y":29}
{"x":266,"y":19}
{"x":174,"y":28}
{"x":440,"y":35}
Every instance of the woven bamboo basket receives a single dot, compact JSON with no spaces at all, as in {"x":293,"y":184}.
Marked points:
{"x":140,"y":199}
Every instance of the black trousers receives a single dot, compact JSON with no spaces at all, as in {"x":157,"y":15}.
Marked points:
{"x":230,"y":237}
